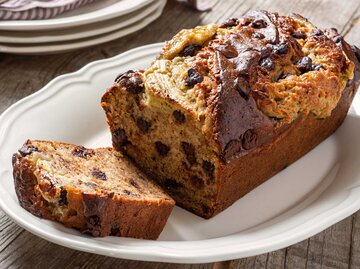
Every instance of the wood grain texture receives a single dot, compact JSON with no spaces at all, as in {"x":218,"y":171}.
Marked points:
{"x":336,"y":247}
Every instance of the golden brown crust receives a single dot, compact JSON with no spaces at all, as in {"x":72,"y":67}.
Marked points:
{"x":98,"y":213}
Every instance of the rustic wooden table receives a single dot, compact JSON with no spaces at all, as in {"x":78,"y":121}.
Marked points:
{"x":336,"y":247}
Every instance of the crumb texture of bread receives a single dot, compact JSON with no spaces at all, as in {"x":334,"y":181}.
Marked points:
{"x":226,"y":106}
{"x":97,"y":191}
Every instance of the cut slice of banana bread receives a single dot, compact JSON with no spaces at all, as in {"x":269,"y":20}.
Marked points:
{"x":227,"y":106}
{"x":96,"y":191}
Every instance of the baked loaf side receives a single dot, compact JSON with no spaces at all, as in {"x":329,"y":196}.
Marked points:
{"x":95,"y":191}
{"x":226,"y":106}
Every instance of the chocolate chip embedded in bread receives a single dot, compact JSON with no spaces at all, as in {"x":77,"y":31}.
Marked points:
{"x":27,"y":150}
{"x":98,"y":174}
{"x":280,"y":49}
{"x":114,"y":231}
{"x":190,"y":50}
{"x":189,"y":151}
{"x":127,"y":192}
{"x":304,"y":64}
{"x":131,"y":81}
{"x":232,"y":148}
{"x":298,"y":35}
{"x":267,"y":63}
{"x":179,"y":116}
{"x":119,"y":138}
{"x":338,"y":39}
{"x":317,"y":32}
{"x":93,"y":225}
{"x":143,"y":125}
{"x":197,"y":182}
{"x":193,"y":78}
{"x":161,"y":148}
{"x":258,"y":24}
{"x":230,"y":23}
{"x":172,"y":185}
{"x":82,"y":152}
{"x":209,"y":168}
{"x":249,"y":139}
{"x":63,"y":197}
{"x":134,"y":184}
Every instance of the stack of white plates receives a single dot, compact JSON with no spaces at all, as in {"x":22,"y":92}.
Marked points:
{"x":92,"y":24}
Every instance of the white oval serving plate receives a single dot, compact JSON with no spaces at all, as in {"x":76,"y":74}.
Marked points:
{"x":94,"y":12}
{"x":56,"y":47}
{"x":83,"y":31}
{"x":310,"y":195}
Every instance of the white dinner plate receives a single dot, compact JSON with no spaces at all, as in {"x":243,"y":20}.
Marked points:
{"x":95,"y":12}
{"x":83,"y":31}
{"x":310,"y":195}
{"x":56,"y":47}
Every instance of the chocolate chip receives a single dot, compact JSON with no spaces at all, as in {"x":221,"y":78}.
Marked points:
{"x":63,"y":197}
{"x":267,"y":63}
{"x":111,"y":194}
{"x":127,"y":192}
{"x":190,"y":50}
{"x":94,"y":220}
{"x":134,"y":184}
{"x":161,"y":148}
{"x":143,"y":125}
{"x":94,"y":225}
{"x":258,"y":24}
{"x":96,"y":173}
{"x":119,"y":138}
{"x":189,"y":151}
{"x":280,"y":49}
{"x":232,"y":148}
{"x":114,"y":231}
{"x":197,"y":182}
{"x":304,"y":64}
{"x":27,"y":149}
{"x":356,"y":50}
{"x":209,"y":168}
{"x":317,"y":67}
{"x":193,"y":78}
{"x":230,"y":23}
{"x":338,"y":39}
{"x":298,"y":35}
{"x":258,"y":36}
{"x":317,"y":32}
{"x":172,"y":185}
{"x":131,"y":81}
{"x":82,"y":152}
{"x":179,"y":116}
{"x":249,"y":139}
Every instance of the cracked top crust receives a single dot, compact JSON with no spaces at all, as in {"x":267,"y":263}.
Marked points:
{"x":249,"y":78}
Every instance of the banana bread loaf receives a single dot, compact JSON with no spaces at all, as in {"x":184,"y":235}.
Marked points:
{"x":95,"y":191}
{"x":226,"y":106}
